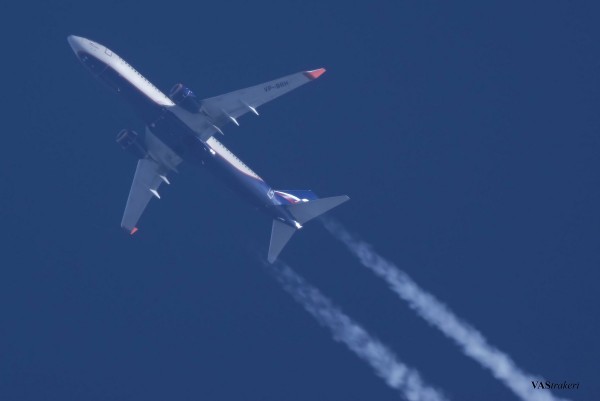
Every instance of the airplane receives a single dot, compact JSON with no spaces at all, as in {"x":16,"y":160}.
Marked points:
{"x":181,"y":126}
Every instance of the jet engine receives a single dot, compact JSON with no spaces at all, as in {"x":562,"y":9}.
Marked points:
{"x":131,"y":142}
{"x":184,"y":97}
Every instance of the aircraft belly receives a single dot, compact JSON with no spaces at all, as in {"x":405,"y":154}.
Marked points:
{"x":164,"y":125}
{"x":145,"y":107}
{"x":170,"y":132}
{"x":254,"y":189}
{"x":182,"y":142}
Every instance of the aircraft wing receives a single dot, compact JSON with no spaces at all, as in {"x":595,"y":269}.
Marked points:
{"x":148,"y":177}
{"x":227,"y":108}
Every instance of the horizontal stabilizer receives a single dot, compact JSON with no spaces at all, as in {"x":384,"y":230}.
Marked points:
{"x":302,"y":211}
{"x":280,"y":235}
{"x":307,"y":211}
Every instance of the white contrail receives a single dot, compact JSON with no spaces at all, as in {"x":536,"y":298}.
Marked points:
{"x":383,"y":361}
{"x":471,"y":341}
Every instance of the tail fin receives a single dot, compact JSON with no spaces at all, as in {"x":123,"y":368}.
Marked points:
{"x":303,"y":212}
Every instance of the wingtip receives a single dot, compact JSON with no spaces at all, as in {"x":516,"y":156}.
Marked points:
{"x":133,"y":231}
{"x":314,"y":74}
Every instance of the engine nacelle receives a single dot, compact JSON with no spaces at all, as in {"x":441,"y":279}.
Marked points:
{"x":130,"y":141}
{"x":185,"y":98}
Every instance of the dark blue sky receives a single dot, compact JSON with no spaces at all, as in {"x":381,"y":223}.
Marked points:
{"x":466,"y":135}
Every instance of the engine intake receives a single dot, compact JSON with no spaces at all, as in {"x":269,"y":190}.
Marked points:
{"x":129,"y":140}
{"x":183,"y":96}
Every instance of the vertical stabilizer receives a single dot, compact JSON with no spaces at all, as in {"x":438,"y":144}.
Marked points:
{"x":280,"y":235}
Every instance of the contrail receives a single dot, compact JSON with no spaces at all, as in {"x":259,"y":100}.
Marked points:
{"x":383,"y":361}
{"x":471,"y":341}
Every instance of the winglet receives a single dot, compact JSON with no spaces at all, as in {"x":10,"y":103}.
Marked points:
{"x":314,"y":74}
{"x":133,"y":231}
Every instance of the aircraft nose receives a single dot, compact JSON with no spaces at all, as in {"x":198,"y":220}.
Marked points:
{"x":75,"y":42}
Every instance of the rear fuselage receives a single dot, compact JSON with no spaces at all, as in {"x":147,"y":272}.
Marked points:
{"x":163,"y":119}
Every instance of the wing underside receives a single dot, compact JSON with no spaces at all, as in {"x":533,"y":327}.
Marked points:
{"x":148,"y":177}
{"x":218,"y":111}
{"x":237,"y":103}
